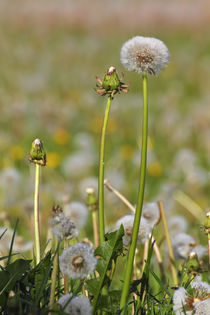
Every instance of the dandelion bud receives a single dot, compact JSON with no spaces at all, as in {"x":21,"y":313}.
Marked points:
{"x":37,"y":153}
{"x":207,"y":223}
{"x":92,"y":201}
{"x":111,"y":81}
{"x":111,"y":84}
{"x":192,"y":264}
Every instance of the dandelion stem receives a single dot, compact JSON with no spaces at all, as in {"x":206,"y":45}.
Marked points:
{"x":95,"y":228}
{"x":65,"y":278}
{"x":142,"y":177}
{"x":168,"y":240}
{"x":101,"y":173}
{"x":54,"y":274}
{"x":36,"y":215}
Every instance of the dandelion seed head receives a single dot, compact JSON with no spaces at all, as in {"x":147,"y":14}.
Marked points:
{"x":177,"y":224}
{"x":127,"y":222}
{"x":62,"y":228}
{"x":144,"y":54}
{"x":77,"y":212}
{"x":202,"y":307}
{"x":183,"y":244}
{"x":179,"y":300}
{"x":151,"y":213}
{"x":77,"y":261}
{"x":200,"y":286}
{"x":76,"y":306}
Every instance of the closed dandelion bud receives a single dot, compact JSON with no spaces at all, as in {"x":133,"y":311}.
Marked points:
{"x":37,"y":153}
{"x":192,"y":264}
{"x":92,"y":201}
{"x":111,"y":84}
{"x":111,"y":80}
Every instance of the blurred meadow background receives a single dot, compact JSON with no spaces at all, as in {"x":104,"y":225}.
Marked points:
{"x":50,"y":53}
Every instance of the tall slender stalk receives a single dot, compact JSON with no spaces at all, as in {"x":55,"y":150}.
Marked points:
{"x":131,"y":254}
{"x":54,"y":274}
{"x":168,"y":240}
{"x":101,"y":173}
{"x":36,"y":215}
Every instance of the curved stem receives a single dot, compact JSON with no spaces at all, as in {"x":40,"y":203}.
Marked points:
{"x":142,"y":177}
{"x":101,"y":173}
{"x":36,"y":215}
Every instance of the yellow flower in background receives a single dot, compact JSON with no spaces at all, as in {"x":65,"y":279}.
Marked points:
{"x":16,"y":153}
{"x":155,"y":169}
{"x":53,"y":159}
{"x":61,"y":137}
{"x":127,"y":152}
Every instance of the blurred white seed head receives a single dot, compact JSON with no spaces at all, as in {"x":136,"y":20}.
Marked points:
{"x":76,"y":306}
{"x":151,"y":213}
{"x":144,"y":54}
{"x":183,"y":244}
{"x":77,"y":212}
{"x":62,"y":228}
{"x":177,"y":224}
{"x":127,"y":222}
{"x":202,"y":307}
{"x":87,"y":183}
{"x":179,"y":300}
{"x":78,"y":261}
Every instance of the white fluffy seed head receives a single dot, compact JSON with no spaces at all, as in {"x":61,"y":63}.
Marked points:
{"x":144,"y":54}
{"x":127,"y":222}
{"x":183,"y":245}
{"x":151,"y":213}
{"x":62,"y":228}
{"x":76,"y":306}
{"x":77,"y":212}
{"x":179,"y":300}
{"x":78,"y":261}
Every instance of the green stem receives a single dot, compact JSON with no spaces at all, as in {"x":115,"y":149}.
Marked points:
{"x":101,"y":173}
{"x":142,"y":177}
{"x":54,"y":274}
{"x":36,"y":215}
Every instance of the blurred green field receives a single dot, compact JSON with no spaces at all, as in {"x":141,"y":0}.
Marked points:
{"x":47,"y":91}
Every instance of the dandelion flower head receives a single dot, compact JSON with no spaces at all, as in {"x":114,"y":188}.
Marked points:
{"x":75,"y":305}
{"x":144,"y":54}
{"x":78,"y":261}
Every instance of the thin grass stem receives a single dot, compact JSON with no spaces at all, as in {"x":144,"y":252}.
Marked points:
{"x":101,"y":173}
{"x":142,"y":177}
{"x":168,"y":240}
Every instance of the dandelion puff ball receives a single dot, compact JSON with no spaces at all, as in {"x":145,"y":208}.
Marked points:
{"x":78,"y":261}
{"x":127,"y":222}
{"x":75,"y":305}
{"x":144,"y":54}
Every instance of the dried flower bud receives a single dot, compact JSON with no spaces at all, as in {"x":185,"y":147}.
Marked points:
{"x":111,"y":84}
{"x":37,"y":153}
